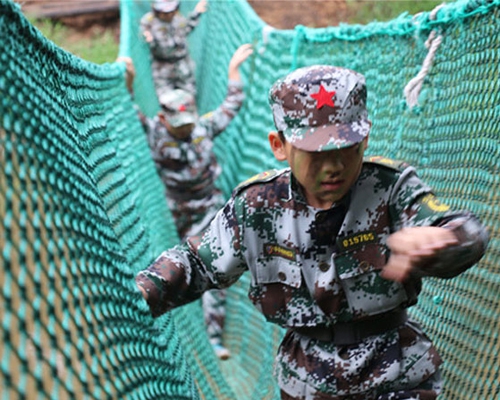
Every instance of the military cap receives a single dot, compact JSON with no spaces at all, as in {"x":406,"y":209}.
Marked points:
{"x":165,"y":6}
{"x":321,"y":107}
{"x":179,"y":107}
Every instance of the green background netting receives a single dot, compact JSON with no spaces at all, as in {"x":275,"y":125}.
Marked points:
{"x":83,"y":209}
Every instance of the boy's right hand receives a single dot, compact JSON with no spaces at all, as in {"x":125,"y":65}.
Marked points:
{"x":201,"y":7}
{"x":414,"y":247}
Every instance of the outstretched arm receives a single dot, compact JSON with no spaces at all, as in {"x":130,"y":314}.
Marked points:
{"x":240,"y":55}
{"x":194,"y":17}
{"x":129,"y":79}
{"x":218,"y":120}
{"x":212,"y":260}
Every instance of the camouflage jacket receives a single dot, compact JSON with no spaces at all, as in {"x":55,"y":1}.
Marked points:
{"x":313,"y":267}
{"x":169,"y":38}
{"x":189,"y":168}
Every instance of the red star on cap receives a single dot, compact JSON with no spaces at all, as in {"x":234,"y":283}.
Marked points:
{"x":323,"y":98}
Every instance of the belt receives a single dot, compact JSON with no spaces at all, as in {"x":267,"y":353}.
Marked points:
{"x":168,"y":59}
{"x":347,"y":333}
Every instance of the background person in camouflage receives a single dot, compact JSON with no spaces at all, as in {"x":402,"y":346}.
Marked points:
{"x":337,"y":246}
{"x":166,"y":31}
{"x":182,"y":148}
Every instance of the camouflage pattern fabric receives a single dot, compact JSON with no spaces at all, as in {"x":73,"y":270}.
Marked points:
{"x":172,"y":67}
{"x":189,"y":170}
{"x":174,"y":75}
{"x":321,"y":107}
{"x":178,"y":107}
{"x":213,"y":301}
{"x":214,"y":313}
{"x":165,"y":6}
{"x":313,"y":267}
{"x":424,"y":391}
{"x":192,"y":216}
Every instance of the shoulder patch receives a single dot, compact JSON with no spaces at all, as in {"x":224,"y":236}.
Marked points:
{"x":207,"y":115}
{"x":265,"y":176}
{"x":433,"y":203}
{"x":397,"y":165}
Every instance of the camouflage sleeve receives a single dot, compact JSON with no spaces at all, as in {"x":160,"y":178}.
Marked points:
{"x":182,"y":274}
{"x":416,"y":205}
{"x":145,"y":121}
{"x":222,"y":245}
{"x":155,"y":141}
{"x":218,"y":120}
{"x":167,"y":282}
{"x":145,"y":23}
{"x":193,"y":19}
{"x":149,"y":126}
{"x":473,"y":240}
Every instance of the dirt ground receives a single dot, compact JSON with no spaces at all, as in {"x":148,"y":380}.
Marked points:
{"x":286,"y":14}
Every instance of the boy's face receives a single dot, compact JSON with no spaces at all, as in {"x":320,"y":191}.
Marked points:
{"x":182,"y":132}
{"x":165,"y":16}
{"x":326,"y":176}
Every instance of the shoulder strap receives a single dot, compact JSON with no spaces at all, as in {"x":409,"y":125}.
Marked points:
{"x":265,"y":176}
{"x":396,"y":165}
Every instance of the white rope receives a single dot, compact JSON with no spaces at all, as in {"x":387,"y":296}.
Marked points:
{"x":266,"y":32}
{"x":412,"y":89}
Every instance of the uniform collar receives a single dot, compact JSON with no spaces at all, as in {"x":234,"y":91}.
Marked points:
{"x":295,"y":192}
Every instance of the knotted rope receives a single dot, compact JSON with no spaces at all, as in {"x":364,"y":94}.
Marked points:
{"x":412,"y":89}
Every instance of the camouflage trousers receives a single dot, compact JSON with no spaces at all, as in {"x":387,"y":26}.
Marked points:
{"x":427,"y":390}
{"x":191,"y":218}
{"x":214,"y":313}
{"x":179,"y":74}
{"x":399,"y":364}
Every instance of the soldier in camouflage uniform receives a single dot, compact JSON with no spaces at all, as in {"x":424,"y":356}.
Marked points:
{"x":337,"y":246}
{"x":166,"y":31}
{"x":182,"y":148}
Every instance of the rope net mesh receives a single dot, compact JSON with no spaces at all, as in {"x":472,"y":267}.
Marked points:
{"x":83,"y":209}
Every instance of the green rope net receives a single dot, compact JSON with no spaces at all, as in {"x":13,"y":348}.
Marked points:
{"x":83,"y":209}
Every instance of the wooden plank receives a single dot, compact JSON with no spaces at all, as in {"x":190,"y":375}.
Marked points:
{"x":59,"y":8}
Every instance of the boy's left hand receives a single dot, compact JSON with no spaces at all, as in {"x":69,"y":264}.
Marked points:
{"x":415,"y":247}
{"x":240,"y":55}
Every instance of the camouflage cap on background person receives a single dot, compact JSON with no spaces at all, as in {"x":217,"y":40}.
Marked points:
{"x":321,"y":107}
{"x":165,"y":6}
{"x":179,"y":107}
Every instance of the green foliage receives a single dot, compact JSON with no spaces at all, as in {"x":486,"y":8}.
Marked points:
{"x":363,"y":12}
{"x":96,"y":44}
